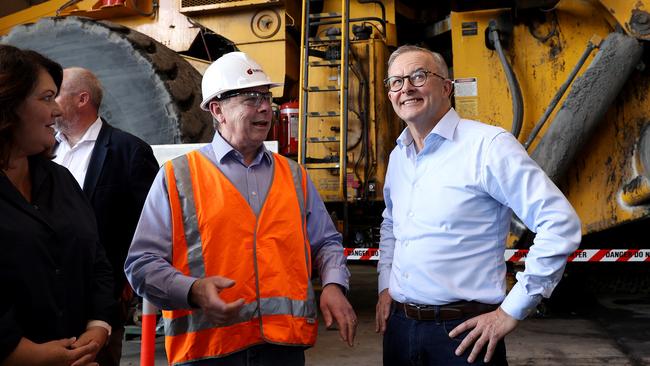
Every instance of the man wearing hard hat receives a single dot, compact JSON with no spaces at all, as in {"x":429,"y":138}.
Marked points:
{"x":228,"y":236}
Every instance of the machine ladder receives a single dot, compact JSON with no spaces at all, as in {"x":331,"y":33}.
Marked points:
{"x":330,"y":50}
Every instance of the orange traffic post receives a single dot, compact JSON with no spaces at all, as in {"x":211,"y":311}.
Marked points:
{"x":148,"y":345}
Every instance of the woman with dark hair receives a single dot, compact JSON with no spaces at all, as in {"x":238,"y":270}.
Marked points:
{"x":56,"y":281}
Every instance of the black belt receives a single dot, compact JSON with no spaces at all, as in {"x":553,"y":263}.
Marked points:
{"x":453,"y":311}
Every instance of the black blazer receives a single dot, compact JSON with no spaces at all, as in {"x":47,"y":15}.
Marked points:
{"x":120,"y":172}
{"x":53,"y":271}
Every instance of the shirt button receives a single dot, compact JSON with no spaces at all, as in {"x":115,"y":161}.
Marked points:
{"x":57,"y":272}
{"x":411,"y":214}
{"x":406,"y":275}
{"x":406,"y":243}
{"x":59,"y":314}
{"x":36,"y":207}
{"x":254,"y":193}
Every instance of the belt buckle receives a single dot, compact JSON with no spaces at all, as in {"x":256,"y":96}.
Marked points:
{"x":418,"y":307}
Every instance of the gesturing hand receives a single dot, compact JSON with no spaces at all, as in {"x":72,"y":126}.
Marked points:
{"x":487,"y":329}
{"x":335,"y":307}
{"x":205,"y":294}
{"x":382,"y":311}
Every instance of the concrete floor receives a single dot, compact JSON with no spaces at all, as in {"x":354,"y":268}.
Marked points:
{"x":616,"y":333}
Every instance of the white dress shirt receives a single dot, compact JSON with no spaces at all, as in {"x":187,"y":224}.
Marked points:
{"x":448,"y":211}
{"x":77,"y":157}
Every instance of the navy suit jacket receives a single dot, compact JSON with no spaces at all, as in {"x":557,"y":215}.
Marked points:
{"x":120,"y":172}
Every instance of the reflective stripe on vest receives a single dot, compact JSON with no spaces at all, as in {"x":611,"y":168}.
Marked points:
{"x":196,"y":320}
{"x":192,"y":234}
{"x":265,"y":316}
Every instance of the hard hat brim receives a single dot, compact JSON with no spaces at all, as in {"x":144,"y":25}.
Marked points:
{"x":206,"y":101}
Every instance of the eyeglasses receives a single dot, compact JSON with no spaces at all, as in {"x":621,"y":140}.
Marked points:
{"x":251,"y":98}
{"x":417,"y":79}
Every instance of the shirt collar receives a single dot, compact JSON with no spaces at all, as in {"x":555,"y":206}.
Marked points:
{"x":445,"y":128}
{"x":89,"y":136}
{"x":222,"y":149}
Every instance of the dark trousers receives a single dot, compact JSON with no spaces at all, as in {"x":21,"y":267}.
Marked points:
{"x":260,"y":355}
{"x":410,"y":342}
{"x":112,"y":352}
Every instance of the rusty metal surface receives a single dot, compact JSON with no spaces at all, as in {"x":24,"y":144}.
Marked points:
{"x":586,"y":104}
{"x":545,"y":47}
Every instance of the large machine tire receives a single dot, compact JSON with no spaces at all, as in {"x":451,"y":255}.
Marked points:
{"x":149,"y":90}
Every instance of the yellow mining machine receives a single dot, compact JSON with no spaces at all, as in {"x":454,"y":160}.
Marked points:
{"x":567,"y":77}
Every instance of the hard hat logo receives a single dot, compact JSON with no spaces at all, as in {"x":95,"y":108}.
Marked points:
{"x":232,"y":71}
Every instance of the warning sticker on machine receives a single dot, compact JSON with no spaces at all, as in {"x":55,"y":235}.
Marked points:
{"x":467,"y":107}
{"x":465,"y":87}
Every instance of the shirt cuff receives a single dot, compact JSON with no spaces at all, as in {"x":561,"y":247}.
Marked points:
{"x":518,"y":304}
{"x":180,"y":291}
{"x":99,"y":323}
{"x":338,"y":275}
{"x":384,"y":280}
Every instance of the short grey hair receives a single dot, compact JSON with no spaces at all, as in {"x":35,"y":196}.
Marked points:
{"x":437,"y":58}
{"x":80,"y":79}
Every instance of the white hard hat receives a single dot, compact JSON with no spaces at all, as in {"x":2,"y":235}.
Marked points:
{"x":232,"y":71}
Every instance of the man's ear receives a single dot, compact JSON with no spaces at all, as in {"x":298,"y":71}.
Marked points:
{"x":216,"y":111}
{"x":84,"y":98}
{"x":448,"y":87}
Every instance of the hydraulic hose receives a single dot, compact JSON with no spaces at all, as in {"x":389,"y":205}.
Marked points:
{"x":513,"y":84}
{"x":559,"y":94}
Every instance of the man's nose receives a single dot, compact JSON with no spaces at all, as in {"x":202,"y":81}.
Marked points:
{"x":264,"y":106}
{"x":56,"y":111}
{"x":406,"y":85}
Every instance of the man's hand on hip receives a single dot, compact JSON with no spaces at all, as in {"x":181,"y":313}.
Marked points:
{"x":204,"y":293}
{"x":382,"y":311}
{"x":487,"y":329}
{"x":335,"y":307}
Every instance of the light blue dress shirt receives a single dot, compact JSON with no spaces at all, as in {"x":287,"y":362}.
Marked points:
{"x":148,"y":264}
{"x":448,"y":211}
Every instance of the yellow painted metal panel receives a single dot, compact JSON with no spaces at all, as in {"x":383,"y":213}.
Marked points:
{"x":633,"y":16}
{"x":36,"y":12}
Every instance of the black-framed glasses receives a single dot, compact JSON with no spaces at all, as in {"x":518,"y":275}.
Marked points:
{"x":251,"y":98}
{"x":417,"y":79}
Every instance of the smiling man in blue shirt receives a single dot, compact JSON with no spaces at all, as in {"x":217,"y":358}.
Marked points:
{"x":451,"y":187}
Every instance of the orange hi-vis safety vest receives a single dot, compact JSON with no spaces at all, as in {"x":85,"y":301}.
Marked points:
{"x":216,"y":233}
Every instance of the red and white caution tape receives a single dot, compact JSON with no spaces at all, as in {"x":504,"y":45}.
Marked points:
{"x":591,"y":255}
{"x":362,"y":254}
{"x":519,"y":255}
